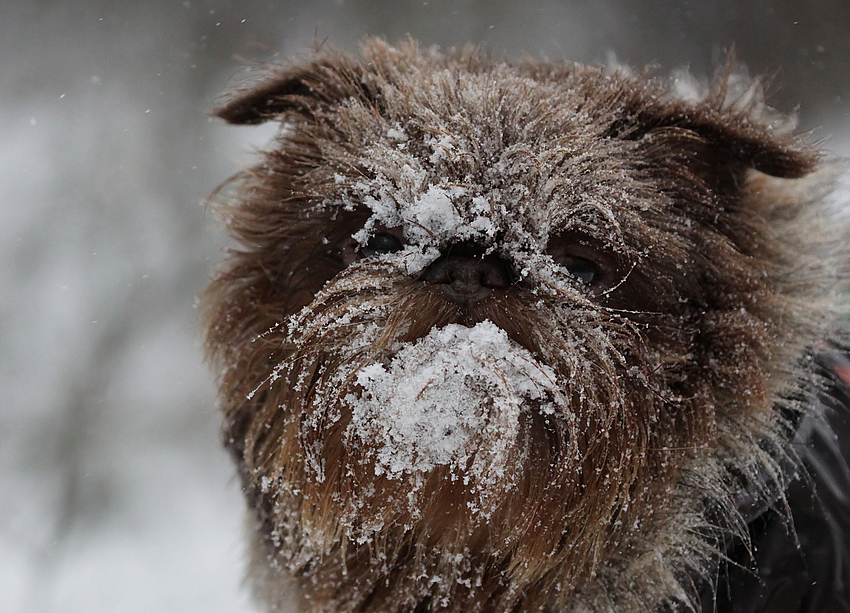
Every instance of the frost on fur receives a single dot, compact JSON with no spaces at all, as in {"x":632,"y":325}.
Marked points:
{"x":509,"y":337}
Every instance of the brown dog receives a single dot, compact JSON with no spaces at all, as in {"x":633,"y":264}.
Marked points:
{"x":512,"y":337}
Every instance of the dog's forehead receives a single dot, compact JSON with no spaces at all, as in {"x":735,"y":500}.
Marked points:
{"x":484,"y":158}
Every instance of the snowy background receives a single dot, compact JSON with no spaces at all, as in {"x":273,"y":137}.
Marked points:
{"x":114,"y":493}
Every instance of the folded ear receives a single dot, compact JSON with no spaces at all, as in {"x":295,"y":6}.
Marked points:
{"x":708,"y":141}
{"x":300,"y":89}
{"x":728,"y":126}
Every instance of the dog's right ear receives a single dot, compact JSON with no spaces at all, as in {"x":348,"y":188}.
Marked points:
{"x":299,"y":89}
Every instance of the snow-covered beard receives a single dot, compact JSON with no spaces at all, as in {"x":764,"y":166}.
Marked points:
{"x":472,"y":465}
{"x":550,"y":445}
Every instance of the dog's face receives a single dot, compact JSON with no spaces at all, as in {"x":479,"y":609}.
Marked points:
{"x":498,"y":336}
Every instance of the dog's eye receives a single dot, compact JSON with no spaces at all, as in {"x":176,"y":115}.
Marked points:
{"x":380,"y":244}
{"x":583,"y":270}
{"x":579,"y":255}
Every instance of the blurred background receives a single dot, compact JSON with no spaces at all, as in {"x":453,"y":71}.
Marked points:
{"x":114,"y":493}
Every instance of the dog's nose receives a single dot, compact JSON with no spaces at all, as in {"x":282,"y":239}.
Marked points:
{"x":467,"y":278}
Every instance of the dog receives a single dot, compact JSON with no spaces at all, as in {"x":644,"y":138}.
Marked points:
{"x":516,"y":337}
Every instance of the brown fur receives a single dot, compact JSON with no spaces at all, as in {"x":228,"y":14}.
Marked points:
{"x":678,"y":374}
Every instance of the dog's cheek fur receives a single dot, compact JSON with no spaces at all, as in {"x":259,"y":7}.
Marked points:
{"x":680,"y":381}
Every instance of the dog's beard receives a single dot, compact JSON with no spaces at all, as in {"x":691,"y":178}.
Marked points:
{"x":453,"y":398}
{"x":464,"y":454}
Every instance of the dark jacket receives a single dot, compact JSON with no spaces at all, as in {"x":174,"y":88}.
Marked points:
{"x":802,"y":566}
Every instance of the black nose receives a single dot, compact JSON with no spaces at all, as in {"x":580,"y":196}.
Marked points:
{"x":466,"y":278}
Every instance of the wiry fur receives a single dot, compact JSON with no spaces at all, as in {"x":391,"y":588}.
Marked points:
{"x":677,"y":382}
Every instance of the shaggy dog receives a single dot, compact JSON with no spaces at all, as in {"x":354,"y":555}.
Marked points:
{"x":514,"y":337}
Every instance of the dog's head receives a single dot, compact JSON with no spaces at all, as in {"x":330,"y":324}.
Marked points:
{"x":506,"y":335}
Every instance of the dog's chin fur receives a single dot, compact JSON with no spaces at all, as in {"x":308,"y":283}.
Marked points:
{"x":556,"y":445}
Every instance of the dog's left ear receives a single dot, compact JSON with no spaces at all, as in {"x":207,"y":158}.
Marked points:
{"x":727,"y":129}
{"x":707,"y":141}
{"x":300,"y":89}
